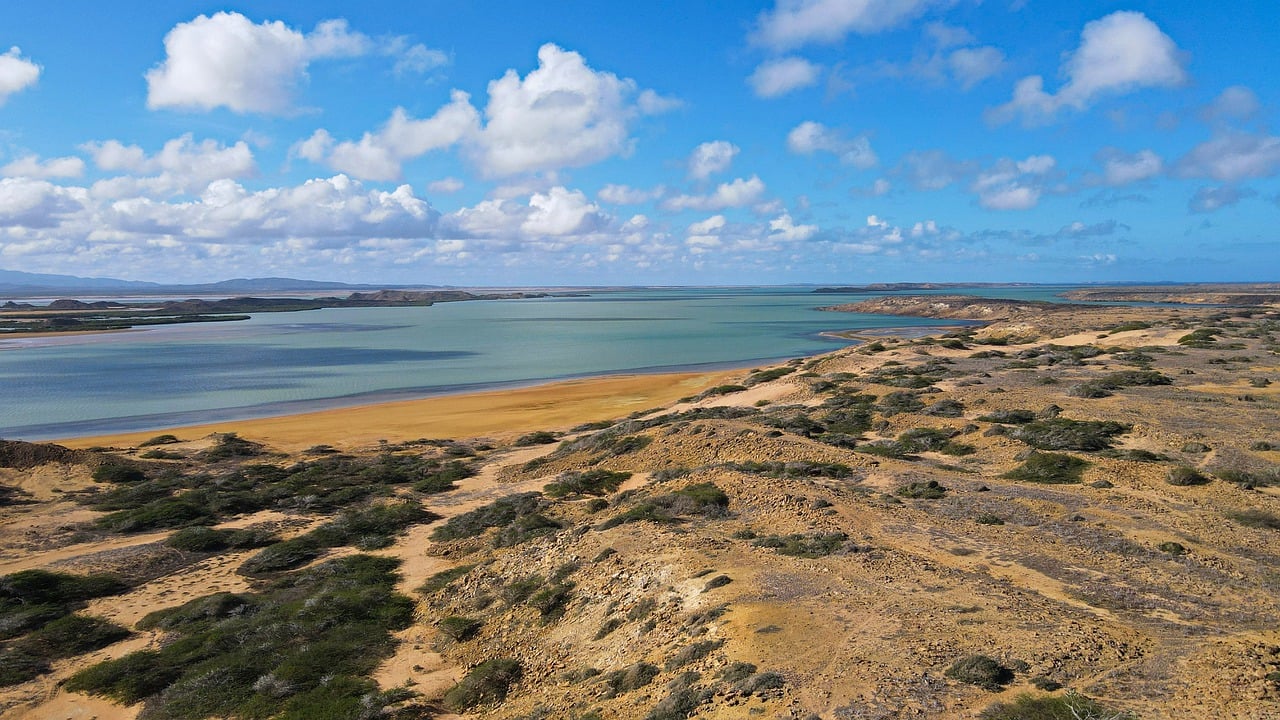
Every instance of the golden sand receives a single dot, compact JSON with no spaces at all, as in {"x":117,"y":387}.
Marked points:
{"x":552,"y":406}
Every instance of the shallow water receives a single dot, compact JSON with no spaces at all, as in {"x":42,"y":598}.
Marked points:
{"x":278,"y":363}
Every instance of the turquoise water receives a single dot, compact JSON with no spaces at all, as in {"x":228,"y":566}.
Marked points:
{"x":278,"y":363}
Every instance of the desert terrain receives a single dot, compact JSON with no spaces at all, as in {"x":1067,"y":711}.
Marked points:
{"x":1066,"y":511}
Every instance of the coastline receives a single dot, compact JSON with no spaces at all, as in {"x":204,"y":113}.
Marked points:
{"x":552,"y":405}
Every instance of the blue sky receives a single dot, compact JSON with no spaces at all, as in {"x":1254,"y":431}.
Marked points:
{"x":500,"y":143}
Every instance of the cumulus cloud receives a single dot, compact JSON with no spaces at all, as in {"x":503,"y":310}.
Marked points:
{"x":1234,"y":103}
{"x":31,"y":166}
{"x":181,"y":166}
{"x":933,"y":169}
{"x":1119,"y":53}
{"x":562,"y":114}
{"x":1232,"y":157}
{"x":16,"y":73}
{"x":784,"y":228}
{"x":627,"y":195}
{"x":777,"y":77}
{"x":810,"y":137}
{"x":226,"y":60}
{"x":31,"y":203}
{"x":710,"y":158}
{"x":1121,"y":168}
{"x":971,"y":66}
{"x":1210,"y":199}
{"x":445,"y":186}
{"x":738,"y":193}
{"x":794,"y":23}
{"x":380,"y":155}
{"x":1013,"y":185}
{"x":560,"y":212}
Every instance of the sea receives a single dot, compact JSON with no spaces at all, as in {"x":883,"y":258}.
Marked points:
{"x":286,"y":363}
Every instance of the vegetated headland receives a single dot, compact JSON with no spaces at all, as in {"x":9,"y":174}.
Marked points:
{"x":68,"y":315}
{"x":1071,"y":514}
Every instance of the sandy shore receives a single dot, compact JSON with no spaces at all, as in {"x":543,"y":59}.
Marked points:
{"x":551,"y":406}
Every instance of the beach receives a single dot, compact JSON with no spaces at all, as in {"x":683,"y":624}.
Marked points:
{"x":556,"y":405}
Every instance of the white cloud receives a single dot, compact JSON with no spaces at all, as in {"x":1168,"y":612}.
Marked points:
{"x":1120,"y":168}
{"x":1233,"y":157}
{"x":627,"y":195}
{"x":31,"y":203}
{"x":16,"y":73}
{"x":1211,"y":199}
{"x":793,"y":23}
{"x":810,"y":137}
{"x":1119,"y":53}
{"x":1010,"y":185}
{"x":971,"y":66}
{"x":380,"y":155}
{"x":563,"y":114}
{"x":738,"y":193}
{"x":226,"y":60}
{"x":31,"y":166}
{"x":181,"y":166}
{"x":708,"y":226}
{"x":445,"y":186}
{"x":784,"y":228}
{"x":562,"y":212}
{"x":1235,"y":103}
{"x":651,"y":103}
{"x":933,"y":169}
{"x":774,"y":78}
{"x":710,"y":158}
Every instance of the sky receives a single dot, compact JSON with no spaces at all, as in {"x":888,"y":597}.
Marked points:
{"x":653,"y":143}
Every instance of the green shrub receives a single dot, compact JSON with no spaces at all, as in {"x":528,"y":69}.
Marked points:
{"x":763,"y":376}
{"x":1052,"y":468}
{"x":488,"y":682}
{"x":158,"y":454}
{"x":806,"y":546}
{"x":459,"y":628}
{"x":165,"y":439}
{"x":922,"y":490}
{"x":1064,"y":434}
{"x":681,"y":703}
{"x":721,"y":390}
{"x":718,"y":581}
{"x":1173,"y":548}
{"x":284,"y":555}
{"x":987,"y":518}
{"x":541,"y":437}
{"x":900,"y":402}
{"x":118,"y":472}
{"x":1009,"y":417}
{"x":444,"y":578}
{"x":305,"y":644}
{"x":1183,"y":476}
{"x":1051,"y":707}
{"x":692,"y":653}
{"x":500,"y":513}
{"x":1256,"y":519}
{"x":980,"y":670}
{"x":794,"y":469}
{"x":632,"y":677}
{"x":591,"y":482}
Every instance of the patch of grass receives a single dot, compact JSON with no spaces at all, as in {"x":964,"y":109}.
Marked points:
{"x":165,"y":439}
{"x":795,"y":469}
{"x":987,"y":518}
{"x":305,"y":644}
{"x":721,"y":390}
{"x":763,"y":376}
{"x":980,"y":670}
{"x":1183,"y":476}
{"x":805,"y":546}
{"x":1256,"y":519}
{"x":900,"y":402}
{"x":497,"y":514}
{"x":31,"y":599}
{"x":487,"y":683}
{"x":541,"y":437}
{"x":692,"y":653}
{"x":1070,"y":706}
{"x":118,"y":472}
{"x":68,"y":636}
{"x":922,"y":490}
{"x":444,"y":578}
{"x":590,"y":482}
{"x":632,"y":677}
{"x":1051,"y":468}
{"x":459,"y":628}
{"x":1009,"y":417}
{"x":1064,"y":434}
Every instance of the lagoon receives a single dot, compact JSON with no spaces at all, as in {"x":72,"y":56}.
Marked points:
{"x":282,"y":363}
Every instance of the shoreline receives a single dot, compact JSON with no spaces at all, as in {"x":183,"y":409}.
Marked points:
{"x":542,"y":406}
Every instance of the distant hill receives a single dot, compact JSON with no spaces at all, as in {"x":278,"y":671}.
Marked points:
{"x":13,"y":283}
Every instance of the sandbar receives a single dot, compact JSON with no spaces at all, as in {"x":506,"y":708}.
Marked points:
{"x":557,"y":405}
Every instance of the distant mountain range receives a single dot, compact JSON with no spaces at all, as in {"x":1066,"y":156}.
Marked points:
{"x":13,"y":282}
